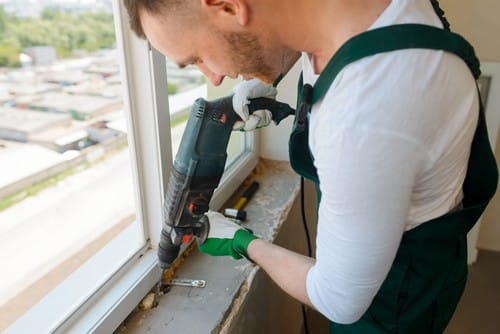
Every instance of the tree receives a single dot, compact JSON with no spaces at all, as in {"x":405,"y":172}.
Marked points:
{"x":66,"y":32}
{"x":9,"y":56}
{"x":50,"y":14}
{"x":3,"y":20}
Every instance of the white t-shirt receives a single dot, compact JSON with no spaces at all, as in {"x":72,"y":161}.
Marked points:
{"x":391,"y":141}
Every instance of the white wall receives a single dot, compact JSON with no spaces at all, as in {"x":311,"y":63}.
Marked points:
{"x":274,"y":139}
{"x":478,"y":22}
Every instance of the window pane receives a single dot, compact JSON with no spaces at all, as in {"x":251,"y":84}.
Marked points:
{"x":184,"y":87}
{"x":66,"y":187}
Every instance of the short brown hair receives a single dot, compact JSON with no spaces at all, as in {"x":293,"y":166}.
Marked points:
{"x":151,"y":6}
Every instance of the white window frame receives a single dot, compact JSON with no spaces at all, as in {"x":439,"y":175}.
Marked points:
{"x":144,"y":77}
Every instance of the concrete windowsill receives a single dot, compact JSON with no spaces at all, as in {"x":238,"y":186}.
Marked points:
{"x":213,"y":308}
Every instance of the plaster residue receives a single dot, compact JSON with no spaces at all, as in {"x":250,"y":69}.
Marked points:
{"x":268,"y":210}
{"x":273,"y":201}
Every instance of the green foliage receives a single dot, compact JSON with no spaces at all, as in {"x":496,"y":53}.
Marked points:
{"x":3,"y":20}
{"x":50,"y":14}
{"x":172,"y":88}
{"x":66,"y":32}
{"x":9,"y":55}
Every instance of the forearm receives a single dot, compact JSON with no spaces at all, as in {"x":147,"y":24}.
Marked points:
{"x":286,"y":268}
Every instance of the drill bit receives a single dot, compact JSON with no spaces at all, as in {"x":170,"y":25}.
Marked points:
{"x":157,"y":289}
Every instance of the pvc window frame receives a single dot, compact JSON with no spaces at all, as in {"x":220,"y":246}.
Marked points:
{"x":144,"y":77}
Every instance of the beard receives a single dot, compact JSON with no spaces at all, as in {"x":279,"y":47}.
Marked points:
{"x":247,"y":54}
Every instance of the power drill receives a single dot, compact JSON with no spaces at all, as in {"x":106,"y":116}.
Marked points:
{"x":198,"y":168}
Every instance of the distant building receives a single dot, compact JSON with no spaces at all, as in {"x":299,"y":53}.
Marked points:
{"x":6,"y":98}
{"x":80,"y":107}
{"x":41,"y":55}
{"x":74,"y":140}
{"x":29,"y":88}
{"x":96,"y":88}
{"x":77,"y":136}
{"x":68,"y":78}
{"x":64,"y":137}
{"x":114,"y":80}
{"x":19,"y":125}
{"x":106,"y":70}
{"x":100,"y":132}
{"x":116,"y":121}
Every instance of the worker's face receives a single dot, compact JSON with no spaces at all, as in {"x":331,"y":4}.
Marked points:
{"x":217,"y":54}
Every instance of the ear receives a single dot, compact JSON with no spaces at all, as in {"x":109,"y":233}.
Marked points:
{"x":227,"y":9}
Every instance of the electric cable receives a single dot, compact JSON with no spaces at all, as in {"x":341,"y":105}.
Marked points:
{"x":304,"y":315}
{"x":308,"y":239}
{"x":304,"y":221}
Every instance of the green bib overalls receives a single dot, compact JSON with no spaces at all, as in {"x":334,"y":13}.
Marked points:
{"x":428,"y":275}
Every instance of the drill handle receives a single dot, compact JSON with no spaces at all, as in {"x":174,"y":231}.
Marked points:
{"x":279,"y":110}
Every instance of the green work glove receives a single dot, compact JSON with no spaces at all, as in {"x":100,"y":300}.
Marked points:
{"x":225,"y":237}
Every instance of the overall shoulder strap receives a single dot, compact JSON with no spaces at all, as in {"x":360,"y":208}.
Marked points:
{"x":482,"y":174}
{"x":391,"y":38}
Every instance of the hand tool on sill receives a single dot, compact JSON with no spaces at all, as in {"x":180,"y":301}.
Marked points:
{"x":197,"y":171}
{"x":237,"y":210}
{"x":195,"y":283}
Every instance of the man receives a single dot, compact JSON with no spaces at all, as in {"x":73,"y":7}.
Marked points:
{"x":388,"y":115}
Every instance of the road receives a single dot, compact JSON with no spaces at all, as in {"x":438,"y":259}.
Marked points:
{"x":40,"y":232}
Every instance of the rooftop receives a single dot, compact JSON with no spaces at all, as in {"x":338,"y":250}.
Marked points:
{"x":30,"y":121}
{"x":62,"y":102}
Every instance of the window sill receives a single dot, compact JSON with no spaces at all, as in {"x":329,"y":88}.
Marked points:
{"x":229,"y":282}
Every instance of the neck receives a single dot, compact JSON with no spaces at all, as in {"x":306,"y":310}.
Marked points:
{"x":321,"y":27}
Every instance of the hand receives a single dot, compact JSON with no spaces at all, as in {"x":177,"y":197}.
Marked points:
{"x":225,"y":238}
{"x":245,"y":91}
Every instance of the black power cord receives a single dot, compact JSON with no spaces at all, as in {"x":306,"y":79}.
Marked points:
{"x":304,"y":221}
{"x":308,"y":238}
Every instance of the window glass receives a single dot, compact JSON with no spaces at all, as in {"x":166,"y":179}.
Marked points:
{"x":66,"y":187}
{"x":184,"y":87}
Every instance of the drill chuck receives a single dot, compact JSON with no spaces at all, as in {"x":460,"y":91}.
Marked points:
{"x":167,"y":250}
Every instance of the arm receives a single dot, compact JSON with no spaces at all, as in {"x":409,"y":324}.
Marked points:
{"x":288,"y":269}
{"x":366,"y":182}
{"x":365,"y":202}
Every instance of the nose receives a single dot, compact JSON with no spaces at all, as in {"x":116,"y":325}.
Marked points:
{"x":215,"y":79}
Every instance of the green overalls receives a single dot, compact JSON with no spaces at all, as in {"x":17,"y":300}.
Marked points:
{"x":428,"y":275}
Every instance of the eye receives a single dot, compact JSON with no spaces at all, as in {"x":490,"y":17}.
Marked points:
{"x":191,"y":63}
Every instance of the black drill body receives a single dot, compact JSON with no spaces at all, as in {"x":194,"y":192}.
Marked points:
{"x":198,"y":168}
